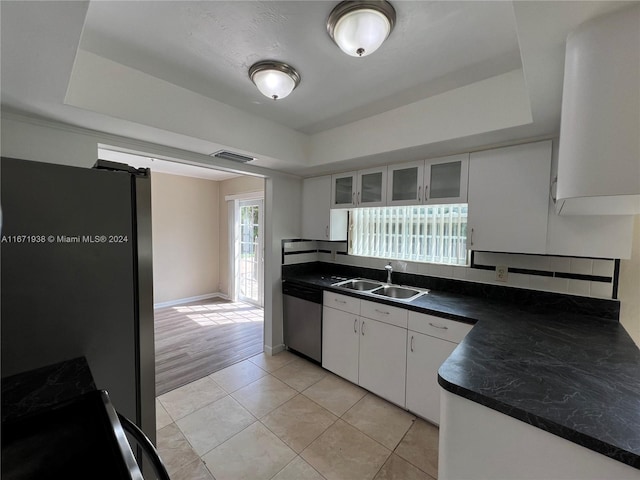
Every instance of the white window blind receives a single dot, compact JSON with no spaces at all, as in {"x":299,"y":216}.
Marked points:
{"x":422,"y":233}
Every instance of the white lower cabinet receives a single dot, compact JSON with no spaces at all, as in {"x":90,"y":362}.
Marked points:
{"x":396,"y":356}
{"x":383,"y":359}
{"x":340,"y":343}
{"x":425,"y":354}
{"x":430,"y":341}
{"x":370,"y":353}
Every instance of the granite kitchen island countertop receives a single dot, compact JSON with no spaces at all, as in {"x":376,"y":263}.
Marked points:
{"x":572,"y":374}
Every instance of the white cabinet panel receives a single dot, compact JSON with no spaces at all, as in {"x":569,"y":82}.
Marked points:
{"x":425,"y":354}
{"x":438,"y":327}
{"x":319,"y":221}
{"x":383,"y":360}
{"x":384,"y":313}
{"x":446,"y":179}
{"x":509,"y":198}
{"x":340,"y":343}
{"x":342,"y":302}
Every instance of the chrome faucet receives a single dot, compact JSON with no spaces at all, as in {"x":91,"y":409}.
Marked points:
{"x":389,"y":269}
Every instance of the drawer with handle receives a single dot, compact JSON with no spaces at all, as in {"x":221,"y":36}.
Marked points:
{"x":384,"y":313}
{"x":342,"y":302}
{"x":438,"y":327}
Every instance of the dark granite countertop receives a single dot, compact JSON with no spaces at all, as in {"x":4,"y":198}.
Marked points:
{"x":29,"y":392}
{"x":55,"y":424}
{"x":548,"y":362}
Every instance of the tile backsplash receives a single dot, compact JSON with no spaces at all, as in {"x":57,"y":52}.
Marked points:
{"x":589,"y":277}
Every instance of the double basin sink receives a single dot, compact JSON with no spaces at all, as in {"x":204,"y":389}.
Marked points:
{"x":396,"y":292}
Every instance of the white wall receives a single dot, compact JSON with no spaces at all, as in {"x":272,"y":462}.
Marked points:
{"x":629,"y":287}
{"x":284,"y":209}
{"x":185,"y":218}
{"x":492,"y":104}
{"x":180,"y":111}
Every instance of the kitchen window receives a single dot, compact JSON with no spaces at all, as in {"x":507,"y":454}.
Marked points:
{"x":418,"y":233}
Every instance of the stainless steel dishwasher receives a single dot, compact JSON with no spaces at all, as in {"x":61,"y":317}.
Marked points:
{"x":302,"y":306}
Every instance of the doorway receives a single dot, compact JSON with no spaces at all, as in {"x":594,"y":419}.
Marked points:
{"x":200,"y":326}
{"x":249,"y":251}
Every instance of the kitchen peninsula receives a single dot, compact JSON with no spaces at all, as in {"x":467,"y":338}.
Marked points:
{"x":558,"y":366}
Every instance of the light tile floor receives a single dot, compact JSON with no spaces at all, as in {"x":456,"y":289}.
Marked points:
{"x":283,"y":418}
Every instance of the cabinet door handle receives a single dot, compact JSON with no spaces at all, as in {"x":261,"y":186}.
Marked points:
{"x":426,"y":187}
{"x":358,"y":202}
{"x":382,"y":312}
{"x":441,"y":327}
{"x":362,"y":328}
{"x":339,"y":301}
{"x":411,"y":343}
{"x":419,"y":191}
{"x":355,"y":325}
{"x":353,"y":198}
{"x":471,"y":239}
{"x":326,"y":231}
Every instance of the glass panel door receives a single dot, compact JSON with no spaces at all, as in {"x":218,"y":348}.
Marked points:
{"x":249,"y":251}
{"x":404,"y":185}
{"x":446,"y":179}
{"x":343,"y":191}
{"x":372,"y":187}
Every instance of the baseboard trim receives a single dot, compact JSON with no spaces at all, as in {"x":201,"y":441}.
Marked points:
{"x":273,"y":350}
{"x":182,"y":301}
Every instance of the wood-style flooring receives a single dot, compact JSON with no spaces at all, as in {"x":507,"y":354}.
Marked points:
{"x":197,"y":339}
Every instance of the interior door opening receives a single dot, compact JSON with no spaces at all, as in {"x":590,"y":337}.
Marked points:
{"x":194,"y":229}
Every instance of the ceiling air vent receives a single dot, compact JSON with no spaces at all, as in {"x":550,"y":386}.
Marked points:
{"x":234,"y":157}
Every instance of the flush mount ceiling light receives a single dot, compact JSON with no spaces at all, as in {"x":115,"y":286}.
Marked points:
{"x":360,"y":27}
{"x":274,"y":79}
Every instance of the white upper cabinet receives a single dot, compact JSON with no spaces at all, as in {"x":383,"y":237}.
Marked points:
{"x":509,"y":198}
{"x":319,"y":221}
{"x":405,"y":183}
{"x":343,"y":190}
{"x":446,"y":179}
{"x":435,"y":181}
{"x":372,"y":187}
{"x":365,"y":188}
{"x":599,"y":161}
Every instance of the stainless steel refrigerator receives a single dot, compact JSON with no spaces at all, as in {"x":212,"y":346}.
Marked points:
{"x":77,"y":276}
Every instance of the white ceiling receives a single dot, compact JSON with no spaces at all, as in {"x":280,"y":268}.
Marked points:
{"x":208,"y":47}
{"x":453,"y":76}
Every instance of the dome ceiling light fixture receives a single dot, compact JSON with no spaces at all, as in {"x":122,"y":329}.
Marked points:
{"x":274,"y":79}
{"x":360,"y":27}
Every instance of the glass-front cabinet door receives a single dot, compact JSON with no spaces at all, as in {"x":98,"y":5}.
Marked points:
{"x":446,"y":179}
{"x":372,"y":187}
{"x":343,"y":190}
{"x":404,"y":185}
